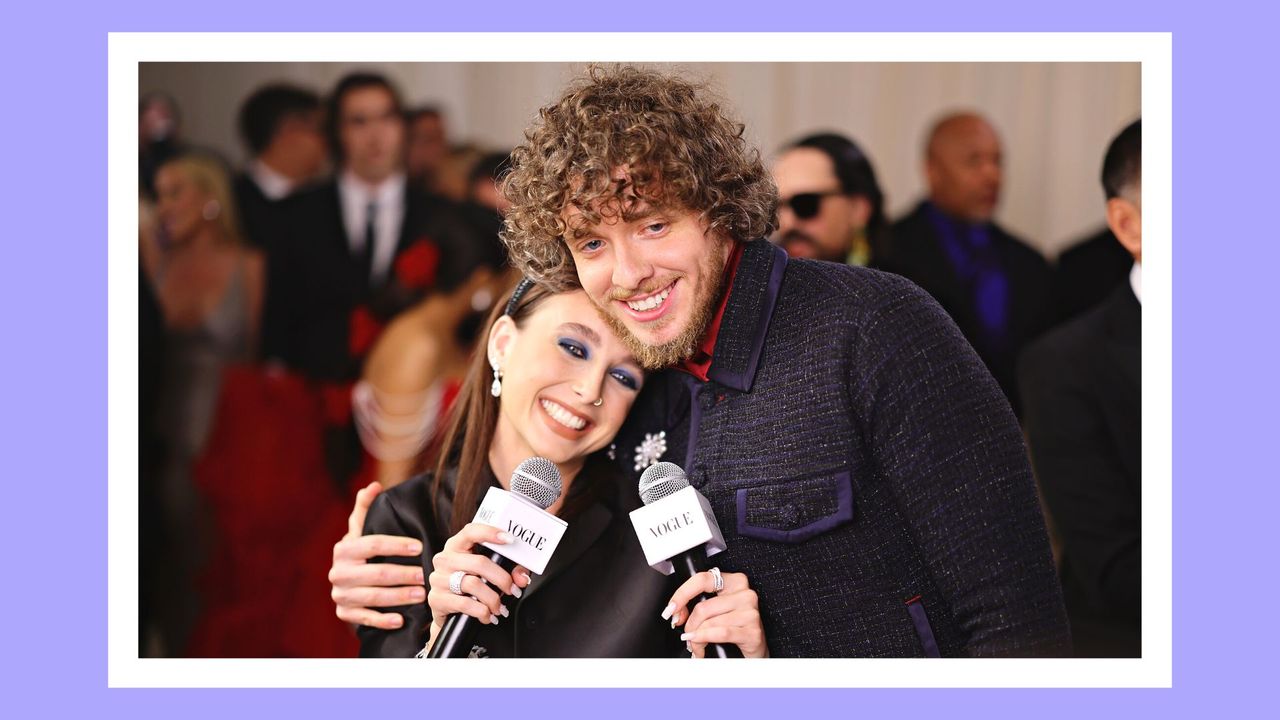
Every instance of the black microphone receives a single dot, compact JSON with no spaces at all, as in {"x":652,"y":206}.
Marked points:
{"x":535,"y":486}
{"x":678,"y":531}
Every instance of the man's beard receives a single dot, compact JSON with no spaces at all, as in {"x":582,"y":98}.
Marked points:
{"x":803,"y":245}
{"x":683,"y":345}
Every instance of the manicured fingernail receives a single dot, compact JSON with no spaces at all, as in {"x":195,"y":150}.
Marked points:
{"x":674,"y":620}
{"x":666,"y":611}
{"x":493,"y":619}
{"x":417,"y":578}
{"x":686,"y":636}
{"x":414,"y":547}
{"x":396,"y":621}
{"x":688,"y":648}
{"x":418,"y":594}
{"x":516,"y":591}
{"x":505,"y":612}
{"x":504,"y":537}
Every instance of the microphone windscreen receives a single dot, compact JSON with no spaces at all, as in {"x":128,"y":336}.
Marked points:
{"x":537,"y":479}
{"x":660,"y":480}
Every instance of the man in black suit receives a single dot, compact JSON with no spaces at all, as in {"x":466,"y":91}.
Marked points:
{"x":992,"y":284}
{"x":1086,"y":274}
{"x":359,"y":248}
{"x":426,"y":147}
{"x":282,"y":127}
{"x":1082,"y":385}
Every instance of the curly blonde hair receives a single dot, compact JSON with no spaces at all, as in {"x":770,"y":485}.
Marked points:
{"x":679,"y":149}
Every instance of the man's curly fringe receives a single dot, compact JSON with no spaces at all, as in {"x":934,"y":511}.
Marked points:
{"x":681,"y":152}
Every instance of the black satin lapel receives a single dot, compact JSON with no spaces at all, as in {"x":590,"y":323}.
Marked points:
{"x":583,"y":531}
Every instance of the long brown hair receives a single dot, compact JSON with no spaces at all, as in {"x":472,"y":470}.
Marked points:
{"x":473,"y":418}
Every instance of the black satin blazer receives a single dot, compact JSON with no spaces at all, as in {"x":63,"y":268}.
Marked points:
{"x":598,"y":597}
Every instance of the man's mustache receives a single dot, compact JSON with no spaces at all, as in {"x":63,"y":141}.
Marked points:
{"x":647,"y":288}
{"x":798,"y":237}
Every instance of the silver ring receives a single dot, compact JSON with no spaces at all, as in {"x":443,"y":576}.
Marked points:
{"x":718,"y":578}
{"x":455,"y":581}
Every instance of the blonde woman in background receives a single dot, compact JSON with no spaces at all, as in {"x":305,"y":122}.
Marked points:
{"x":209,"y":287}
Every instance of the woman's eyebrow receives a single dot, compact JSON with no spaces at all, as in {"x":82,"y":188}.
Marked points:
{"x":583,"y":330}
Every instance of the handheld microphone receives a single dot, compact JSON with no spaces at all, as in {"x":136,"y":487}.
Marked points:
{"x":522,"y":512}
{"x":678,"y":531}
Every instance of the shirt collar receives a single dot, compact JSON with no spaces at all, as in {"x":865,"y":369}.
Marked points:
{"x":736,"y":339}
{"x":274,"y":185}
{"x":387,"y":193}
{"x":1135,"y":281}
{"x":699,"y":364}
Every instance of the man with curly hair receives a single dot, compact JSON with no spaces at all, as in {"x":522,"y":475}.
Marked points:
{"x":867,"y":472}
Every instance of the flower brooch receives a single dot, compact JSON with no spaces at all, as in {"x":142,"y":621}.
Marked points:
{"x":651,"y":450}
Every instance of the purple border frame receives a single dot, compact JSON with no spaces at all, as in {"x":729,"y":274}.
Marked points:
{"x":55,"y":584}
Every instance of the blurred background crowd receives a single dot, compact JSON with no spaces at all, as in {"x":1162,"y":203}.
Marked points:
{"x":319,"y":243}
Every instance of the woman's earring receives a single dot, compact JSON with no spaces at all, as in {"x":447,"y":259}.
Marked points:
{"x":211,"y":210}
{"x":481,"y":300}
{"x":496,"y":388}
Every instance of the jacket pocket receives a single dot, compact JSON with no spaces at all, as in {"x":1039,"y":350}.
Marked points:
{"x":794,"y":510}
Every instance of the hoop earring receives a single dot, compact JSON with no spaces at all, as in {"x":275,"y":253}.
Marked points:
{"x":496,"y":388}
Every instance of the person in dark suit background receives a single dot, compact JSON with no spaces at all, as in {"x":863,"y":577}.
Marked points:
{"x":830,"y":206}
{"x":426,"y":147}
{"x":1086,"y":274}
{"x":282,"y":127}
{"x":992,"y":283}
{"x":1082,"y":386}
{"x":360,"y":247}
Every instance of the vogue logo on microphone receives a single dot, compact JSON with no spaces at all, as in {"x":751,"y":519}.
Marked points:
{"x":682,"y":520}
{"x":678,"y":522}
{"x":536,"y":531}
{"x":527,"y":535}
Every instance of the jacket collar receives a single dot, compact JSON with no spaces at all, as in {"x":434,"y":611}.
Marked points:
{"x":603,"y":483}
{"x":752,"y":299}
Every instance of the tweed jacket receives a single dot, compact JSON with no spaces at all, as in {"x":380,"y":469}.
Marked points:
{"x":866,"y":470}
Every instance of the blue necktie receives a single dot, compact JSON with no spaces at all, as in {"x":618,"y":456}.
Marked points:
{"x":977,"y":264}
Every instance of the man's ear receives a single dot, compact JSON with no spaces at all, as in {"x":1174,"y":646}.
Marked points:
{"x":501,"y":337}
{"x":859,"y":211}
{"x":932,"y":175}
{"x":1125,"y":220}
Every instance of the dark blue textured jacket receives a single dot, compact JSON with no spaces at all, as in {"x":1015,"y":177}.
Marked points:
{"x":866,"y":470}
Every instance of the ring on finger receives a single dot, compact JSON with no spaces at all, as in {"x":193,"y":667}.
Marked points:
{"x":717,"y":578}
{"x":455,"y":582}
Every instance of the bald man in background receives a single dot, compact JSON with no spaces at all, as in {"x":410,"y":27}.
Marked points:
{"x":992,"y":283}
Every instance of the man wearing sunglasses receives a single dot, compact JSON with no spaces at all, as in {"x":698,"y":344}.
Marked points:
{"x":992,"y":284}
{"x":830,"y":205}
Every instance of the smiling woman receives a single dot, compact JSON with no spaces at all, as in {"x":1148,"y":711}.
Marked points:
{"x":555,"y":382}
